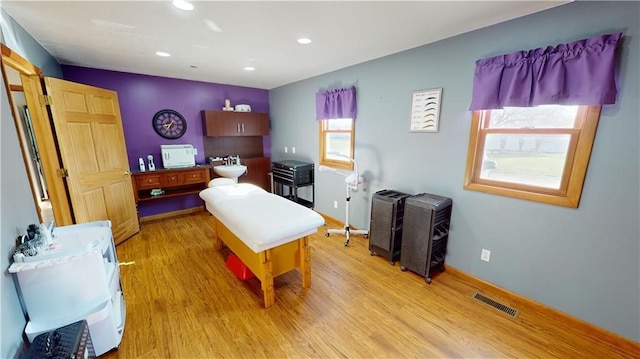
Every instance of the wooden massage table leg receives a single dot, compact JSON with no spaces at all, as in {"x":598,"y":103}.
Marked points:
{"x":219,"y":243}
{"x":267,"y":282}
{"x":305,"y":261}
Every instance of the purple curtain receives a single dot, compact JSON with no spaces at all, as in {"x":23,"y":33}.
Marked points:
{"x":577,"y":73}
{"x":338,"y":103}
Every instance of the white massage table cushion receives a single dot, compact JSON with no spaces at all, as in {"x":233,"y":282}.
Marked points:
{"x":221,"y":182}
{"x":260,"y":219}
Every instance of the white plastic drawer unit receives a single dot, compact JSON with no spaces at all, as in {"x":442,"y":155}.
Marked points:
{"x":63,"y":284}
{"x":77,"y":272}
{"x":77,"y":278}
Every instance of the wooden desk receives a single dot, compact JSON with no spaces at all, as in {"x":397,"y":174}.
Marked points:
{"x":174,"y":182}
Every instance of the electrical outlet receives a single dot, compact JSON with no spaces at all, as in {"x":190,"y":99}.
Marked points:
{"x":286,"y":149}
{"x":335,"y":204}
{"x":293,"y":150}
{"x":485,"y":255}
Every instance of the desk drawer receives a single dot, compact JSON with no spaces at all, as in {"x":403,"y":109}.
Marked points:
{"x":148,"y":181}
{"x":172,"y":179}
{"x":197,"y":176}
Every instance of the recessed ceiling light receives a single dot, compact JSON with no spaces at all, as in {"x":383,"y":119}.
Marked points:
{"x":163,"y":54}
{"x":183,"y":5}
{"x":304,"y":41}
{"x":249,"y":68}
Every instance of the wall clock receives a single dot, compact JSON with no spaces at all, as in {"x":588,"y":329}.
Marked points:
{"x":169,"y":124}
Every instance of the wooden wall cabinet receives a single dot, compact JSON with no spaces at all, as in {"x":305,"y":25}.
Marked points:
{"x":257,"y":172}
{"x":239,"y":134}
{"x":174,"y":182}
{"x":231,"y":123}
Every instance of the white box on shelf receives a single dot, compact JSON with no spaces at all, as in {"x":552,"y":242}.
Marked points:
{"x":178,"y":156}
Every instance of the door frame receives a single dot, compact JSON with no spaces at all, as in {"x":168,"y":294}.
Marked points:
{"x":31,"y":78}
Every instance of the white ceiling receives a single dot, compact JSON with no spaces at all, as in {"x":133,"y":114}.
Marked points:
{"x":124,"y":35}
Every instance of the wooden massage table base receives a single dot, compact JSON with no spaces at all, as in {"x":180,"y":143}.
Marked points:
{"x":271,"y":262}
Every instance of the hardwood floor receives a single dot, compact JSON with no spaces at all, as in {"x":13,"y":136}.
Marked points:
{"x":183,"y":302}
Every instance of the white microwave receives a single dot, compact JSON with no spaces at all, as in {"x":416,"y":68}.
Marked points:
{"x":178,"y":156}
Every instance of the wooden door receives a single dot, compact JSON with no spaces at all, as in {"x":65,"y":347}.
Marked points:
{"x":254,"y":124}
{"x":92,"y":148}
{"x":220,"y":123}
{"x":30,"y":76}
{"x":48,"y":152}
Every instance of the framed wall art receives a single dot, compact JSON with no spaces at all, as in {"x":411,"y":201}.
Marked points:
{"x":425,"y":110}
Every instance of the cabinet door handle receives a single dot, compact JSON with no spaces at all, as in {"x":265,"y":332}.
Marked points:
{"x":126,"y":173}
{"x":238,"y":126}
{"x":243,"y":127}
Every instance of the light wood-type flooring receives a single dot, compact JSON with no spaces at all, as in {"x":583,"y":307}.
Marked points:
{"x":183,"y":302}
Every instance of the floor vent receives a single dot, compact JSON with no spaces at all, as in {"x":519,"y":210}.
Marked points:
{"x":501,"y":307}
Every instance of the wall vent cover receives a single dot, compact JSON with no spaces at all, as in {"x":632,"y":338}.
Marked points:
{"x":501,"y":307}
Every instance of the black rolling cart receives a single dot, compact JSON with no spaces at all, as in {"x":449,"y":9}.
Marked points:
{"x":292,"y":174}
{"x":425,"y":233}
{"x":385,"y":227}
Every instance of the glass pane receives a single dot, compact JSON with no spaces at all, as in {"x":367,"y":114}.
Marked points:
{"x":535,"y":160}
{"x":339,"y":124}
{"x":546,"y":116}
{"x":337,"y":144}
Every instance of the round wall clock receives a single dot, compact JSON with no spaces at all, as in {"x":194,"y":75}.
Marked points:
{"x":169,"y":124}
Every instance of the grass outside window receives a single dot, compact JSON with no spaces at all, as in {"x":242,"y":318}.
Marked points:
{"x":539,"y":154}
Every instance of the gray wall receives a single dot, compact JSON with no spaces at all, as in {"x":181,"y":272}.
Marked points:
{"x":17,"y":209}
{"x":585,"y":261}
{"x":582,"y":261}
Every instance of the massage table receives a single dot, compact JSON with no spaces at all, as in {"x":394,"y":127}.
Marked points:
{"x":267,"y":232}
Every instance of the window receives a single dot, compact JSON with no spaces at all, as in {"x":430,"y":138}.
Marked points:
{"x":336,"y":143}
{"x":535,"y":153}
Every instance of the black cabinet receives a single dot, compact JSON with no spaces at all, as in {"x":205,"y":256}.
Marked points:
{"x":425,"y":233}
{"x":385,"y":227}
{"x":291,"y":175}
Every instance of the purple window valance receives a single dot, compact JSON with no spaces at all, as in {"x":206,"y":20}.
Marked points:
{"x":338,"y":103}
{"x":577,"y":73}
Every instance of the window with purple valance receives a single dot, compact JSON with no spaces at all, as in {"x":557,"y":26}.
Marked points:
{"x":576,"y":73}
{"x":337,"y":103}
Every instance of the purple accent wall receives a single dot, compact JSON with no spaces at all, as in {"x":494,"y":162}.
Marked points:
{"x":141,"y":96}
